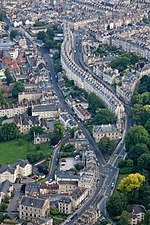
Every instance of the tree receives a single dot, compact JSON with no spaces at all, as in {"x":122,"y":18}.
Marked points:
{"x":131,"y":183}
{"x":136,"y":135}
{"x":36,"y":130}
{"x":13,"y":34}
{"x":116,"y":204}
{"x":136,"y":151}
{"x":124,"y":219}
{"x":54,"y":140}
{"x":139,"y":114}
{"x":54,"y":211}
{"x":147,"y":125}
{"x":58,"y":129}
{"x":94,"y":102}
{"x":50,"y":33}
{"x":48,"y":44}
{"x":2,"y":99}
{"x":42,"y":36}
{"x":39,"y":24}
{"x":8,"y":76}
{"x":144,"y":162}
{"x":144,"y":98}
{"x":104,"y":116}
{"x":144,"y":84}
{"x":17,"y":88}
{"x":9,"y":131}
{"x":6,"y":199}
{"x":35,"y":157}
{"x":78,"y":166}
{"x":106,"y":146}
{"x":147,"y":218}
{"x":3,"y":207}
{"x":126,"y":166}
{"x":145,"y":196}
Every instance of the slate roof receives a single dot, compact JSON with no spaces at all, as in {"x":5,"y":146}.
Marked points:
{"x":66,"y":175}
{"x":136,"y":209}
{"x":8,"y":168}
{"x":11,"y":167}
{"x":4,"y":187}
{"x":32,"y":202}
{"x":104,"y":128}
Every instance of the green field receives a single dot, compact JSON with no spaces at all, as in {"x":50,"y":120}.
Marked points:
{"x":11,"y":151}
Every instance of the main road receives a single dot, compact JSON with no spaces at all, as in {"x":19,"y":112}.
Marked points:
{"x":107,"y":172}
{"x":68,"y":109}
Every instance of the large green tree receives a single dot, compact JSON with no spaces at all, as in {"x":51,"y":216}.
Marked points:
{"x":50,"y":33}
{"x":147,"y":218}
{"x":116,"y":204}
{"x":144,"y":162}
{"x":13,"y":34}
{"x":106,"y":146}
{"x":147,"y":125}
{"x":136,"y":135}
{"x":9,"y":131}
{"x":124,"y":219}
{"x":139,"y":114}
{"x":104,"y":116}
{"x":94,"y":102}
{"x":8,"y":76}
{"x":136,"y":151}
{"x":58,"y":129}
{"x":2,"y":98}
{"x":17,"y":88}
{"x":36,"y":130}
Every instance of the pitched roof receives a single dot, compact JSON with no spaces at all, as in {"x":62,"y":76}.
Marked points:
{"x":33,"y":202}
{"x":4,"y":187}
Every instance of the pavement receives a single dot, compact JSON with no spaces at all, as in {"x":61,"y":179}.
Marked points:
{"x":70,"y":162}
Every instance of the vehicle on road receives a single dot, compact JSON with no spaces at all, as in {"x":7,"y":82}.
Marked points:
{"x":73,"y":216}
{"x":63,"y":160}
{"x":112,"y":185}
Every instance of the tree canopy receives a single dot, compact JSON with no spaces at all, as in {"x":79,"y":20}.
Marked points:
{"x":136,"y":135}
{"x":106,"y":146}
{"x":131,"y":182}
{"x":58,"y":129}
{"x":103,"y":116}
{"x":9,"y":131}
{"x":8,"y":76}
{"x":144,"y":162}
{"x":136,"y":151}
{"x":124,"y":219}
{"x":36,"y":130}
{"x":94,"y":102}
{"x":116,"y":204}
{"x":147,"y":218}
{"x":13,"y":34}
{"x":17,"y":88}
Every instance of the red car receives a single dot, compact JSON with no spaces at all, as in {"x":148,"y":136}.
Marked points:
{"x":63,"y":164}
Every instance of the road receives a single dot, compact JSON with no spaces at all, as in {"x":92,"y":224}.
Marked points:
{"x":104,"y":190}
{"x":55,"y":156}
{"x":12,"y":207}
{"x":69,"y":110}
{"x":108,"y":173}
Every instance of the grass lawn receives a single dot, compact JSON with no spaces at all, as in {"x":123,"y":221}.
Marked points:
{"x":11,"y":151}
